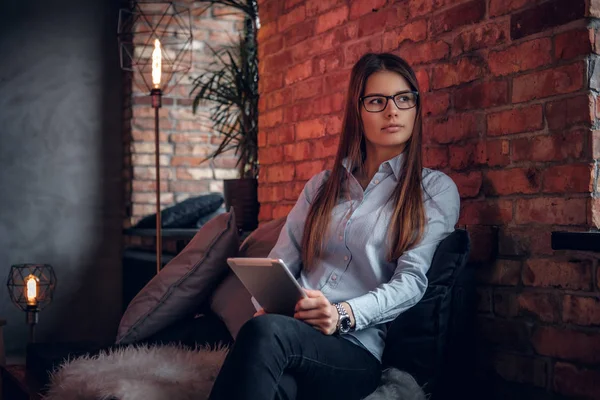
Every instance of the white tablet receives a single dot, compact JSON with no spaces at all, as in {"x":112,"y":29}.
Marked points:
{"x":270,"y":282}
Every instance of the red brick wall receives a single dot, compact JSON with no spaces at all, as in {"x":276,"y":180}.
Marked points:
{"x":186,"y":138}
{"x":510,"y":108}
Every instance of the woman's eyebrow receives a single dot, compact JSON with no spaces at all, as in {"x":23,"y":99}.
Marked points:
{"x":381,"y":94}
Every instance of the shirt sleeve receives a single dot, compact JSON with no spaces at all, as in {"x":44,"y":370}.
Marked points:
{"x":409,"y":281}
{"x":288,"y":244}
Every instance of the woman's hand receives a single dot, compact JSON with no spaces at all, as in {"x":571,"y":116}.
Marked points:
{"x":260,"y":312}
{"x":317,"y":311}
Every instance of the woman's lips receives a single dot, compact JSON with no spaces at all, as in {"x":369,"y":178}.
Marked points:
{"x":391,"y":129}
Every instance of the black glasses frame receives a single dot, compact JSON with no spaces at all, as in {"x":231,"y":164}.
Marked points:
{"x":388,"y":98}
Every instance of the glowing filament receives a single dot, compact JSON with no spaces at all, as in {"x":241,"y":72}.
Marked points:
{"x":156,"y":64}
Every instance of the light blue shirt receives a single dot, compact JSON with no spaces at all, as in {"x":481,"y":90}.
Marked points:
{"x":353,"y":267}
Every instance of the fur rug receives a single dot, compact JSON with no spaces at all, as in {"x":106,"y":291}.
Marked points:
{"x":139,"y":373}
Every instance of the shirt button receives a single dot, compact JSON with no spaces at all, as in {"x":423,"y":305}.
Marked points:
{"x":376,"y":181}
{"x":333,"y":277}
{"x":345,"y":258}
{"x":341,"y":237}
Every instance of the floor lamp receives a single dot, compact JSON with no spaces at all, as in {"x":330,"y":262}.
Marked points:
{"x":155,"y":45}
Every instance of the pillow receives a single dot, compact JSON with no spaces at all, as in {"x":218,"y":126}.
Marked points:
{"x":416,"y":339}
{"x":231,"y":301}
{"x":204,"y":219}
{"x":183,"y":283}
{"x":184,"y":214}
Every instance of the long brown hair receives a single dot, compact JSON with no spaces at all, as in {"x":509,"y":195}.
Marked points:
{"x":408,"y":218}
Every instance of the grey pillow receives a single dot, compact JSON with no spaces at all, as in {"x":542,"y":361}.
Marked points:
{"x":231,"y":301}
{"x":183,"y":283}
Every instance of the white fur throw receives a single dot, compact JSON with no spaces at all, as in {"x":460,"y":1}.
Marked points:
{"x":139,"y":373}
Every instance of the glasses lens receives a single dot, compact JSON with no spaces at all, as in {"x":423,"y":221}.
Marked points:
{"x":375,"y":103}
{"x":405,"y":100}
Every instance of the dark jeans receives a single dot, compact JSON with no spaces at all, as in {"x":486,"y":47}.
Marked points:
{"x":279,"y":357}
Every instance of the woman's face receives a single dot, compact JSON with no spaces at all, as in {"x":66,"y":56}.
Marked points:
{"x":387,"y":132}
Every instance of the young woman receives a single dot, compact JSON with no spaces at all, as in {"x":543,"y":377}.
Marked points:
{"x":360,"y":240}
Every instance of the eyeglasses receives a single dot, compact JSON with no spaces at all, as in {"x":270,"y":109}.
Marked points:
{"x":378,"y":103}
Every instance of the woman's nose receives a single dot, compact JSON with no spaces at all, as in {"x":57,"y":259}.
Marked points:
{"x":391,"y":108}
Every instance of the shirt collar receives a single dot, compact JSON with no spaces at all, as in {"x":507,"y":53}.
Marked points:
{"x":395,"y":164}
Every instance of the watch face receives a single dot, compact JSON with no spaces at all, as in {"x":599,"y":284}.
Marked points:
{"x":345,"y":324}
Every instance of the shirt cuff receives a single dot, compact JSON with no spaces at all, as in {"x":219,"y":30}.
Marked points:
{"x":362,"y":307}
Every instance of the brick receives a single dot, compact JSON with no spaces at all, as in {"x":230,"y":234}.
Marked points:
{"x":297,"y":34}
{"x":306,"y":89}
{"x":512,"y":181}
{"x":331,"y":19}
{"x":297,"y":112}
{"x":463,"y":14}
{"x":326,"y":147}
{"x":292,"y":3}
{"x":315,"y":7}
{"x":360,"y":8}
{"x":337,"y":81}
{"x":265,"y":212}
{"x":521,"y":369}
{"x":271,"y":118}
{"x":293,"y":190}
{"x":450,"y":129}
{"x":468,"y":155}
{"x":487,"y":212}
{"x":521,"y":57}
{"x":484,"y":300}
{"x":423,"y":80}
{"x":267,"y":29}
{"x":468,"y":183}
{"x":192,"y":149}
{"x":150,"y":148}
{"x":435,"y":103}
{"x":542,"y":148}
{"x":277,"y":98}
{"x":545,"y":16}
{"x":330,"y":104}
{"x":543,"y":306}
{"x":148,"y":186}
{"x":270,"y":11}
{"x":295,"y":16}
{"x":282,"y":135}
{"x":505,"y":303}
{"x":594,"y":217}
{"x":299,"y":151}
{"x":148,"y":124}
{"x":572,"y":178}
{"x":572,"y":381}
{"x":524,"y":240}
{"x":484,"y":244}
{"x":565,"y":113}
{"x":424,"y":53}
{"x":139,"y":135}
{"x":333,"y":124}
{"x":281,"y":210}
{"x":150,"y":173}
{"x":501,"y":7}
{"x":435,"y":157}
{"x":355,"y":50}
{"x":510,"y":335}
{"x":398,"y":15}
{"x":277,"y":62}
{"x":551,"y":210}
{"x":419,"y":7}
{"x":502,"y":272}
{"x":271,"y":194}
{"x":480,"y":37}
{"x":270,"y":155}
{"x":581,"y":310}
{"x":415,"y":32}
{"x":515,"y":120}
{"x":311,"y":129}
{"x":467,"y":69}
{"x":189,"y":138}
{"x":573,"y":44}
{"x":280,"y":173}
{"x":552,"y":272}
{"x":194,"y":187}
{"x":308,"y":169}
{"x":567,"y":344}
{"x":270,"y":82}
{"x":373,"y":22}
{"x":550,"y":82}
{"x":299,"y":72}
{"x":150,"y":198}
{"x":498,"y":153}
{"x":329,"y":62}
{"x":481,"y":95}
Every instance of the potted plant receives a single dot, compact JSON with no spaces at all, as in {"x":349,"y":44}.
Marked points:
{"x":230,"y":87}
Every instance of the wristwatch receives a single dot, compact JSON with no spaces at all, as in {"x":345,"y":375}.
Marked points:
{"x":344,"y":324}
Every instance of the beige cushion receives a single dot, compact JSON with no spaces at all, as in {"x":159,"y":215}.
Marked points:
{"x":182,"y":285}
{"x":231,"y":301}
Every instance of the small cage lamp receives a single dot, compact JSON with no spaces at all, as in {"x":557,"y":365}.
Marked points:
{"x":31,"y":287}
